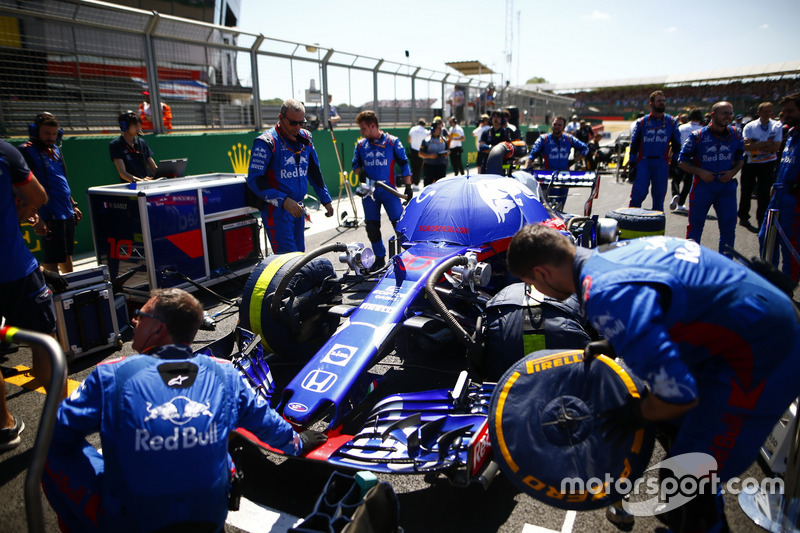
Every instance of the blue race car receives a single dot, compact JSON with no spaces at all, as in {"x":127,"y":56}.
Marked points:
{"x":342,"y":349}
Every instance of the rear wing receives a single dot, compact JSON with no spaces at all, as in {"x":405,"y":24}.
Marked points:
{"x":564,"y":178}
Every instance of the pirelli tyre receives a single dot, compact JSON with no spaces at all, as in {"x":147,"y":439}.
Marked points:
{"x":544,"y":427}
{"x":301,"y":324}
{"x":634,"y":222}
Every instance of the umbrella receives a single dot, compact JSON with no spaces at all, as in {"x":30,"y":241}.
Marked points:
{"x":470,"y":211}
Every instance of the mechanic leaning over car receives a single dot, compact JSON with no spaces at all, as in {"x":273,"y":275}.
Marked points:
{"x":374,"y":158}
{"x":651,"y":139}
{"x":164,"y":416}
{"x":717,"y":343}
{"x":282,"y":161}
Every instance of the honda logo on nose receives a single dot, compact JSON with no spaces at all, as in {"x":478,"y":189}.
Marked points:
{"x":319,"y":381}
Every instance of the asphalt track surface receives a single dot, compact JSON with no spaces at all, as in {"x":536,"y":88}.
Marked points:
{"x":278,"y":491}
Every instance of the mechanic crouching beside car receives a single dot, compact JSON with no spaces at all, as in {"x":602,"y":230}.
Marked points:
{"x":718,"y":345}
{"x":164,"y":416}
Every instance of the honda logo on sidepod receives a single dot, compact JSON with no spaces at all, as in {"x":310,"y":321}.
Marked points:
{"x":319,"y":381}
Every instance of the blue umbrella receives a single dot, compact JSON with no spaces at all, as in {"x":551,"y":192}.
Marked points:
{"x":470,"y":211}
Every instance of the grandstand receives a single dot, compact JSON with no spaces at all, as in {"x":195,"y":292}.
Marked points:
{"x":744,"y":87}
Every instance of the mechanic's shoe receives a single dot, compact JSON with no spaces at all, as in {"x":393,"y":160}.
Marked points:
{"x":9,"y":437}
{"x":681,"y":209}
{"x":744,"y":222}
{"x":619,"y":516}
{"x":380,"y":262}
{"x":674,"y":203}
{"x":8,"y":348}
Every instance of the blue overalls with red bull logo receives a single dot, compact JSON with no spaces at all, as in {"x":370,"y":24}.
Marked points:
{"x":378,"y":159}
{"x":164,"y":420}
{"x":698,"y":326}
{"x":650,"y":143}
{"x":717,"y":154}
{"x":785,"y":199}
{"x":555,"y":150}
{"x":281,"y":168}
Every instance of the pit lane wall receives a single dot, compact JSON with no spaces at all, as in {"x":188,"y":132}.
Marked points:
{"x":89,"y":164}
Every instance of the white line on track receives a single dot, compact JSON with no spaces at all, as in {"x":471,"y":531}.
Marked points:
{"x":569,"y":522}
{"x":253,"y":517}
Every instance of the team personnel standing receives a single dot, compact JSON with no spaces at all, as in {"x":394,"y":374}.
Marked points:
{"x":416,"y":135}
{"x":25,"y":300}
{"x":682,"y":180}
{"x":282,"y":162}
{"x":480,"y":157}
{"x":555,"y":147}
{"x":493,"y":136}
{"x":762,"y":141}
{"x":164,"y":416}
{"x":691,"y":323}
{"x":58,"y":217}
{"x":374,"y":158}
{"x":129,"y":152}
{"x":333,"y":114}
{"x":652,"y":137}
{"x":787,"y":188}
{"x":434,"y":150}
{"x":713,"y":154}
{"x":456,"y":137}
{"x":146,"y":114}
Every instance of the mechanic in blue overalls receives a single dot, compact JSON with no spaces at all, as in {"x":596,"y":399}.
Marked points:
{"x":164,"y":416}
{"x":718,"y":344}
{"x":714,"y":154}
{"x":555,"y":148}
{"x":786,"y":191}
{"x":282,"y":161}
{"x":374,"y":158}
{"x":652,"y":137}
{"x":59,"y":216}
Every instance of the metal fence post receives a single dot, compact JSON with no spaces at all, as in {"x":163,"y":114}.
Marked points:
{"x":375,"y":86}
{"x":152,"y":75}
{"x":254,"y":74}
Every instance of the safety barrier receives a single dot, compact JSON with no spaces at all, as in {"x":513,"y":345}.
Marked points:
{"x":58,"y":380}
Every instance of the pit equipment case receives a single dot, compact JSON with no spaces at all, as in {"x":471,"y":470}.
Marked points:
{"x":196,"y":228}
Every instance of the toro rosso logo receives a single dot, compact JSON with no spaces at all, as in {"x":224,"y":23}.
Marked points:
{"x":297,"y":407}
{"x":179,"y":410}
{"x":499,"y":200}
{"x":340,"y":355}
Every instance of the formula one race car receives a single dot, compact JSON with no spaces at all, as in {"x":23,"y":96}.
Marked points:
{"x":444,"y":310}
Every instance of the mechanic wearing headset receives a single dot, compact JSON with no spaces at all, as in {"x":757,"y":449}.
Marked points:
{"x":496,"y":134}
{"x":555,"y":147}
{"x":718,"y":344}
{"x":651,"y":139}
{"x":164,"y":416}
{"x":129,"y":152}
{"x":58,"y":217}
{"x":374,"y":158}
{"x":282,"y":161}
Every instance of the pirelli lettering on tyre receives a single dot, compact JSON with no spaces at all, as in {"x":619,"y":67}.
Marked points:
{"x":562,"y":359}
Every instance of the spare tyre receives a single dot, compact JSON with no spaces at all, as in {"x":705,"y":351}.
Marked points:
{"x":634,"y":222}
{"x":544,"y":426}
{"x":302,"y":323}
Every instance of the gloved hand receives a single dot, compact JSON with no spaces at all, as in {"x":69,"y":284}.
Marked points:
{"x":620,"y":422}
{"x":409,"y":192}
{"x":595,"y":348}
{"x":55,"y":281}
{"x":312,"y":439}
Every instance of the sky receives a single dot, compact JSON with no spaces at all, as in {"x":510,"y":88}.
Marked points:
{"x":561,"y":41}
